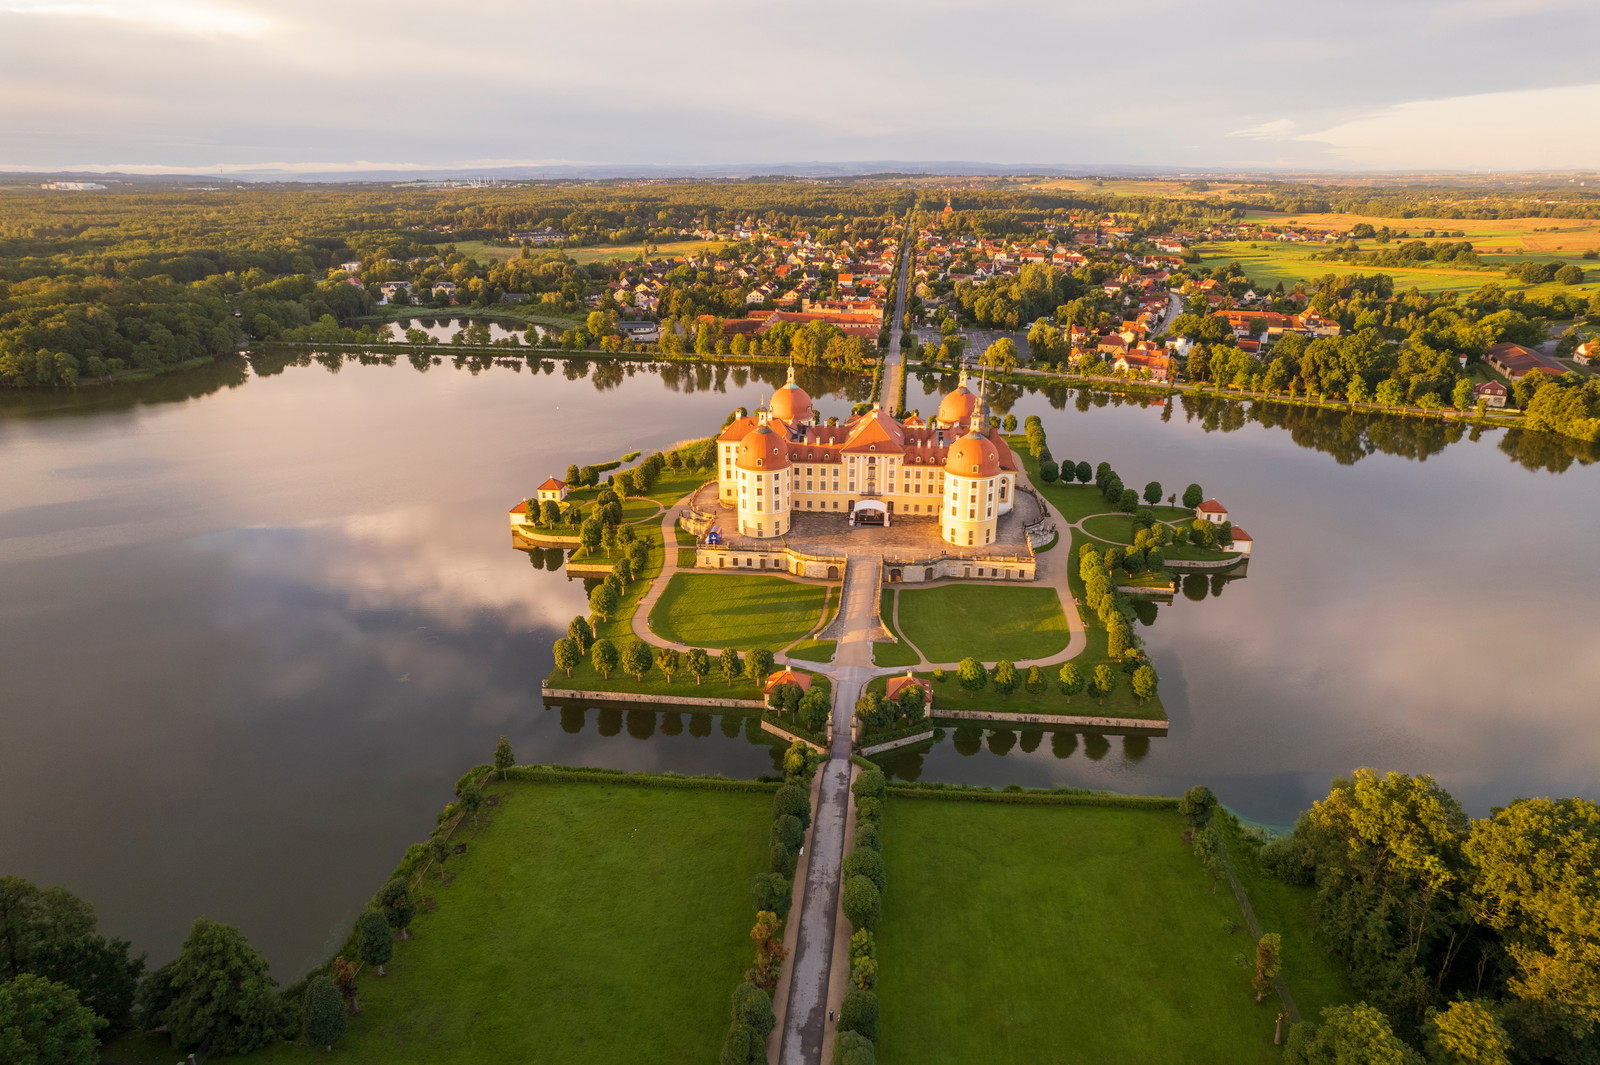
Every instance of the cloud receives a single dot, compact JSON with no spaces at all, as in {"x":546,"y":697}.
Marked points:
{"x":170,"y":16}
{"x":1277,"y":129}
{"x":1529,"y":129}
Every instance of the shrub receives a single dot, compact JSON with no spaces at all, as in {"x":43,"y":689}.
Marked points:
{"x":867,"y":863}
{"x":1197,"y":805}
{"x":772,"y":892}
{"x":868,"y":810}
{"x":788,"y":831}
{"x":792,"y":800}
{"x":1288,"y":859}
{"x":780,"y":859}
{"x":859,"y":1013}
{"x":853,"y":1048}
{"x":736,"y":1048}
{"x":752,"y":1007}
{"x":863,"y":904}
{"x":867,"y":836}
{"x":870,"y":783}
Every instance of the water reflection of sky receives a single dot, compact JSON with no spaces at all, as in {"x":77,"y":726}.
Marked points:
{"x":252,"y":637}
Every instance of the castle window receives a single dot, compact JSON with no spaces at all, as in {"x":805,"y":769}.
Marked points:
{"x":969,"y":537}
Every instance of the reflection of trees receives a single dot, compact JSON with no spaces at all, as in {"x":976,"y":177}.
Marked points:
{"x":1547,"y":451}
{"x":1195,"y":586}
{"x":1001,"y":741}
{"x":641,"y":724}
{"x":1030,"y":740}
{"x":700,"y":725}
{"x":178,"y":386}
{"x":1135,"y":748}
{"x":608,"y":374}
{"x":1095,"y":746}
{"x":1145,"y":611}
{"x":609,"y":721}
{"x":967,"y":740}
{"x":1349,"y":436}
{"x":572,"y":719}
{"x":1062,"y":744}
{"x":672,"y":723}
{"x":730,"y":725}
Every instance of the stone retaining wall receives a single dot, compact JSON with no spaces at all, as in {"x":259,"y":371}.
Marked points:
{"x":544,"y":539}
{"x":1049,"y":719}
{"x":903,"y":741}
{"x":686,"y":699}
{"x":783,"y":733}
{"x":1221,"y":563}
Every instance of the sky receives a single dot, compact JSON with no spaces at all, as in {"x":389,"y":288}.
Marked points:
{"x":213,"y":85}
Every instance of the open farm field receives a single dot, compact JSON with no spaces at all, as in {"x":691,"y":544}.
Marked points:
{"x":1568,"y":236}
{"x":1267,"y":263}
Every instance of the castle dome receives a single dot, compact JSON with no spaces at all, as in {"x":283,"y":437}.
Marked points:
{"x":763,"y":449}
{"x":959,"y":404}
{"x":791,"y":403}
{"x":974,"y":455}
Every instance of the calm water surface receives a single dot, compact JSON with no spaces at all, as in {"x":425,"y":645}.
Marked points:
{"x":254,"y":626}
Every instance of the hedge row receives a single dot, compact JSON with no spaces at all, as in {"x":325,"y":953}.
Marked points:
{"x":1025,"y":797}
{"x":752,"y":1018}
{"x":861,"y":898}
{"x":546,"y":774}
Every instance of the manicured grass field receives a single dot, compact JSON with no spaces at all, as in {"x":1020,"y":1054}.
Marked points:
{"x":1058,"y":934}
{"x":988,"y":623}
{"x":894,"y":654}
{"x":586,"y":923}
{"x":736,"y":610}
{"x":814,"y":650}
{"x":1117,"y":528}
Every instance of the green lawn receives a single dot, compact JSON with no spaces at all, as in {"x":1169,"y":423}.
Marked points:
{"x":584,"y":678}
{"x":737,"y":610}
{"x":814,"y":650}
{"x":586,"y":923}
{"x":1058,"y":934}
{"x":989,"y":623}
{"x":1117,"y":528}
{"x":894,"y":654}
{"x":620,"y":625}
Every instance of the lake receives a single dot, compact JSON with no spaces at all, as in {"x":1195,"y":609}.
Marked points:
{"x":256,"y":621}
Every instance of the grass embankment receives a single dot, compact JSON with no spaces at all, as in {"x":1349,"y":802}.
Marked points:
{"x":540,"y":949}
{"x":1118,"y":529}
{"x":988,"y":623}
{"x":1314,"y":979}
{"x":736,"y":610}
{"x":1058,"y":933}
{"x":897,"y":653}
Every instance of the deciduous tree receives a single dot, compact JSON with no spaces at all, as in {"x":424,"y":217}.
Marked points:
{"x":604,"y":657}
{"x":221,"y":993}
{"x":322,"y":1017}
{"x":43,"y":1023}
{"x":376,"y":940}
{"x":567,"y":654}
